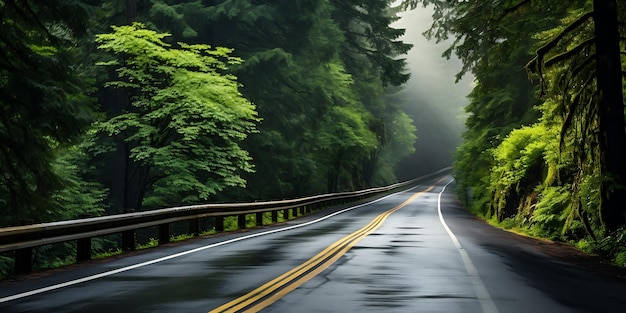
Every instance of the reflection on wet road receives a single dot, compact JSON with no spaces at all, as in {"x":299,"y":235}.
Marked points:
{"x":407,"y":263}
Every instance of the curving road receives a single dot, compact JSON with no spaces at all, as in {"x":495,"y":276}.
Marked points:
{"x":414,"y":251}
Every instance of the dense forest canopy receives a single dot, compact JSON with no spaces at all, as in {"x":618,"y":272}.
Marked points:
{"x":110,"y":106}
{"x":543,"y":149}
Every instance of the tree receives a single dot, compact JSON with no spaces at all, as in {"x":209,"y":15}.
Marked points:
{"x":372,"y":53}
{"x":503,"y":97}
{"x":594,"y":81}
{"x":43,"y":106}
{"x":368,"y":35}
{"x":185,"y":118}
{"x":579,"y":66}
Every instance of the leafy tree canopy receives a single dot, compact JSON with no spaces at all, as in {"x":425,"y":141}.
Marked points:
{"x":186,"y":116}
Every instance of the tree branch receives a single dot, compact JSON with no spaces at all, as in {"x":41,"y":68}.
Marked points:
{"x":543,"y":50}
{"x":569,"y":115}
{"x":565,"y":55}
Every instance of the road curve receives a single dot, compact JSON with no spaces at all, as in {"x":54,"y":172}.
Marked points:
{"x":414,"y":251}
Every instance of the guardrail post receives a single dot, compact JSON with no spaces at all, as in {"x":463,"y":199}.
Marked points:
{"x":275,"y":216}
{"x":194,"y":227}
{"x":259,"y":219}
{"x":219,"y":224}
{"x":83,"y":249}
{"x":24,"y":256}
{"x":164,"y":233}
{"x":128,"y":236}
{"x":285,"y":214}
{"x":128,"y":240}
{"x":241,"y":221}
{"x":301,"y":210}
{"x":24,"y":261}
{"x":294,"y":212}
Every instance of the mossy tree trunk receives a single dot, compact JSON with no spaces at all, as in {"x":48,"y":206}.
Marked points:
{"x":611,"y":115}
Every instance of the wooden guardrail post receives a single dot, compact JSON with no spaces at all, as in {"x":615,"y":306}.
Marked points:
{"x":83,"y":245}
{"x":24,"y":261}
{"x":294,"y":212}
{"x":128,"y":237}
{"x":194,"y":227}
{"x":241,"y":221}
{"x":275,"y":216}
{"x":164,"y":233}
{"x":219,"y":224}
{"x":259,"y":219}
{"x":83,"y":249}
{"x":286,"y":214}
{"x":24,"y":256}
{"x":128,"y":240}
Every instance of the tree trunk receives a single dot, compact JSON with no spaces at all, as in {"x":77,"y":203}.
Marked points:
{"x":131,"y":11}
{"x":611,"y":116}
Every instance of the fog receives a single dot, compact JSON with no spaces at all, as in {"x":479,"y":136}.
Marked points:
{"x":433,"y":99}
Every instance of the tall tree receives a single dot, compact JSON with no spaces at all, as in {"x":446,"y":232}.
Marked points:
{"x":42,"y":105}
{"x":595,"y":81}
{"x":185,"y":118}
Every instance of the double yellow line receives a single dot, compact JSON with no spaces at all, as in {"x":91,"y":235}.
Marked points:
{"x":270,"y":292}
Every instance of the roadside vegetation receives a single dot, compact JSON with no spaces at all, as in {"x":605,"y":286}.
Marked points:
{"x":543,"y":150}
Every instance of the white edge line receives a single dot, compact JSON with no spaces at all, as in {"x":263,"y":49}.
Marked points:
{"x":481,"y":291}
{"x":169,"y":257}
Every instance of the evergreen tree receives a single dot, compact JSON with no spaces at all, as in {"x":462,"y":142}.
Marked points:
{"x":592,"y":91}
{"x":43,"y":107}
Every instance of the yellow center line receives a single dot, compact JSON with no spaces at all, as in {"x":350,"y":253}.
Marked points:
{"x":318,"y":263}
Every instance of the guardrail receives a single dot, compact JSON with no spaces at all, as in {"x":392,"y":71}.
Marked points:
{"x":22,"y":239}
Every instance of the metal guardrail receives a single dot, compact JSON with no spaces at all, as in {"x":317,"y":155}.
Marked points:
{"x":22,"y":239}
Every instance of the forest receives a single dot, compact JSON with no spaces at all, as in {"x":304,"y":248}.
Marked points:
{"x":116,"y":106}
{"x":112,"y":106}
{"x":543,"y":151}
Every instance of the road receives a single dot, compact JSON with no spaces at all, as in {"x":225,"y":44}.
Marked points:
{"x":414,"y":251}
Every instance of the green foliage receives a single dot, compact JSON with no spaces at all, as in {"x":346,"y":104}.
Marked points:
{"x":42,"y":104}
{"x":7,"y":264}
{"x":614,"y":246}
{"x":517,"y":154}
{"x":150,"y":244}
{"x":185,"y":120}
{"x":550,"y":179}
{"x":548,"y":219}
{"x":368,"y":32}
{"x":107,"y":254}
{"x":518,"y":168}
{"x":80,"y":196}
{"x":52,"y":256}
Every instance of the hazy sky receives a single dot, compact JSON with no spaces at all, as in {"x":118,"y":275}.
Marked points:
{"x":434,"y":100}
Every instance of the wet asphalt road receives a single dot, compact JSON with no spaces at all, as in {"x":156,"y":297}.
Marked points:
{"x":410,"y":263}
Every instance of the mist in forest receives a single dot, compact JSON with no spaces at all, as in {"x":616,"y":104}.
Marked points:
{"x":432,"y":98}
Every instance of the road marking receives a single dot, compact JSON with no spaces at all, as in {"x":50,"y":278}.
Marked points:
{"x":481,"y":291}
{"x":169,"y":257}
{"x":272,"y":291}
